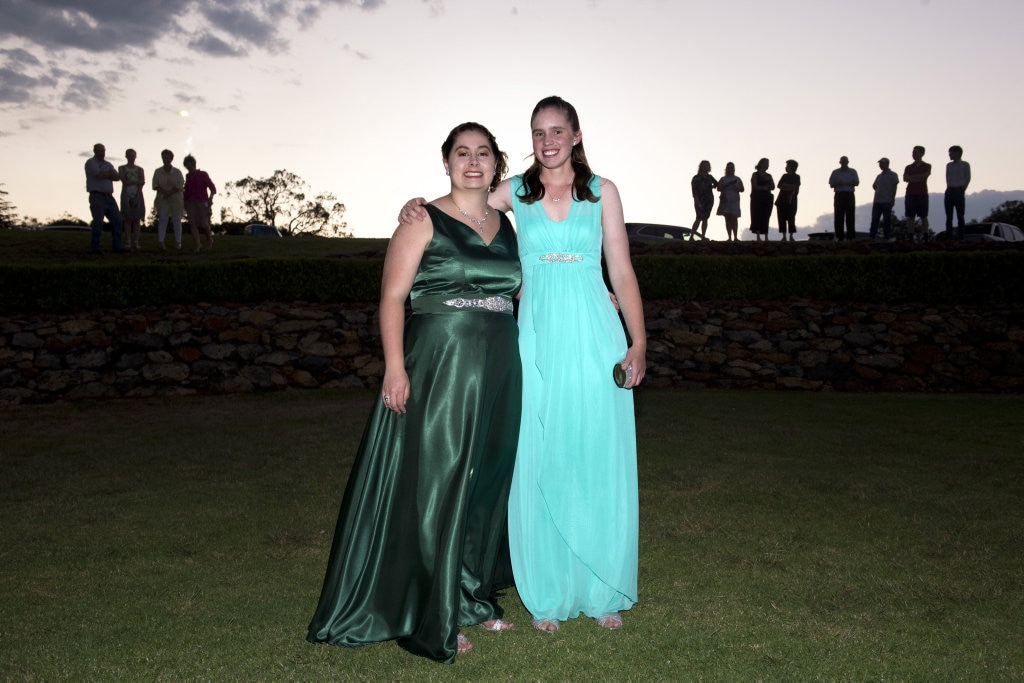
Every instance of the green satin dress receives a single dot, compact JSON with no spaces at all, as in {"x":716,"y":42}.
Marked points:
{"x":421,"y":545}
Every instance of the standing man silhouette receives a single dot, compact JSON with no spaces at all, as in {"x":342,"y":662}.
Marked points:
{"x":915,"y":175}
{"x":100,"y":176}
{"x":843,"y":181}
{"x":885,"y":197}
{"x":958,"y":177}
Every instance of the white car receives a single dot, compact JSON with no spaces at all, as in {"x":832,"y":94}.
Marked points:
{"x":988,"y":232}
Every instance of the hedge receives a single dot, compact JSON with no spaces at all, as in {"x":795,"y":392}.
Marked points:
{"x":927,"y":277}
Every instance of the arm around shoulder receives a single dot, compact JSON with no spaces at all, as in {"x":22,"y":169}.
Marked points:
{"x":501,"y":198}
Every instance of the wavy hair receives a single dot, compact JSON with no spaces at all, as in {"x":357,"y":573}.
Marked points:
{"x":500,"y":158}
{"x":533,"y":189}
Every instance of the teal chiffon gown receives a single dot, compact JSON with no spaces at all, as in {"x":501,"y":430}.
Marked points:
{"x":573,"y":507}
{"x":420,"y":548}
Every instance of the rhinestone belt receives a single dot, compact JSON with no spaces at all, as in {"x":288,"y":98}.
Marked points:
{"x":561,"y":258}
{"x":497,"y":304}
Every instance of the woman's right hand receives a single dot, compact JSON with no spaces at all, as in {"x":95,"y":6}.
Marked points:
{"x":413,"y":211}
{"x":394,"y":390}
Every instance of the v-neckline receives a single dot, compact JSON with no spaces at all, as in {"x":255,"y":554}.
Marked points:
{"x":552,"y":220}
{"x":469,"y":227}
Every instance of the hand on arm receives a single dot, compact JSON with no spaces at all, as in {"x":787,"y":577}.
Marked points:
{"x":412,"y":210}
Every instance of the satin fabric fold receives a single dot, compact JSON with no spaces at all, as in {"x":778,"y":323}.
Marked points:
{"x":420,"y":546}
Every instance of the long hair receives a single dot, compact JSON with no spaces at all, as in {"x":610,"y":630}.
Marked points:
{"x":533,"y":189}
{"x":500,"y":158}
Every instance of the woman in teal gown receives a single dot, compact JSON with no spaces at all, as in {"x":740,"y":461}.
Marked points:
{"x":573,"y":507}
{"x":420,"y":548}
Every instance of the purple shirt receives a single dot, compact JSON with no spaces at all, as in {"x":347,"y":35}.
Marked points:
{"x":196,"y":184}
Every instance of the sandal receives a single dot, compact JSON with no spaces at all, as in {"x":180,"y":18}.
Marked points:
{"x":546,"y":625}
{"x":612,"y":621}
{"x":462,"y":644}
{"x":497,"y":625}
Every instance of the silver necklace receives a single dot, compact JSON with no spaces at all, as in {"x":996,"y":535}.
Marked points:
{"x":479,"y":223}
{"x":562,"y":196}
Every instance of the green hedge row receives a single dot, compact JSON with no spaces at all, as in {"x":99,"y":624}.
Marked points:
{"x":83,"y":287}
{"x":976,"y":277}
{"x":979,"y":277}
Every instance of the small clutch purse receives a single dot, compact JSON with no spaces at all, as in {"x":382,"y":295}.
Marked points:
{"x":621,"y":376}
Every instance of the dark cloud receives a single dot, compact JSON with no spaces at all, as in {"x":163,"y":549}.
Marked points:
{"x":214,"y":46}
{"x":259,"y":29}
{"x":19,"y":56}
{"x":84,"y":91}
{"x":52,"y":34}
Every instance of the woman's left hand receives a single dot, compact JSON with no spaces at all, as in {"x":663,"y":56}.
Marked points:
{"x":637,"y":358}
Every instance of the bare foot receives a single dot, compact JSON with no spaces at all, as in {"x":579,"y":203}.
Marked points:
{"x":546,"y":625}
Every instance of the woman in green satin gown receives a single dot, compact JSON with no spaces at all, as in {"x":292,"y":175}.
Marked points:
{"x":420,"y":548}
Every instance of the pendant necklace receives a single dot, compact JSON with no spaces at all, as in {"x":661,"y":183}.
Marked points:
{"x":561,"y":196}
{"x":479,"y":223}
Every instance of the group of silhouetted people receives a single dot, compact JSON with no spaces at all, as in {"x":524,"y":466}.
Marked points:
{"x":729,"y":187}
{"x":175,"y":195}
{"x":843,"y":181}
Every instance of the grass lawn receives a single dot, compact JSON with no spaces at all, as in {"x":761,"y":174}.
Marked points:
{"x":784,"y":536}
{"x":50,"y":247}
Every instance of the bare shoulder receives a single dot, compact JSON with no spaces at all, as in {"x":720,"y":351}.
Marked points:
{"x":607,"y":186}
{"x":417,"y":233}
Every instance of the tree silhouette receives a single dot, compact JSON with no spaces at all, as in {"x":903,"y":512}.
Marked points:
{"x":1011,"y":212}
{"x":7,"y":214}
{"x":283,"y":200}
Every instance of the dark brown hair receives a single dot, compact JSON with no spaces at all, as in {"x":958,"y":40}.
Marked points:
{"x":533,"y":189}
{"x":500,"y":158}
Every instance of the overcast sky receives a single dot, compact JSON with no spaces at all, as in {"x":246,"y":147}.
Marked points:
{"x":357,"y":96}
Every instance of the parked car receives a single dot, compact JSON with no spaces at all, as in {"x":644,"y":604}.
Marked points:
{"x":261,"y":230}
{"x":656,"y":231}
{"x":106,"y":227}
{"x":988,"y":232}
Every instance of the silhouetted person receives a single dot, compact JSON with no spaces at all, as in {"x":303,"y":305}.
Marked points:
{"x":958,"y":177}
{"x":785,"y":202}
{"x":100,"y":176}
{"x":761,"y":186}
{"x":729,"y":188}
{"x":133,"y":204}
{"x":915,"y":175}
{"x":170,"y":203}
{"x":702,"y":186}
{"x":199,"y":191}
{"x":885,"y":198}
{"x":843,"y":181}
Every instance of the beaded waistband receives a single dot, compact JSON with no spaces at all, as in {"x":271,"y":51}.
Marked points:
{"x":561,"y":258}
{"x":498,"y":304}
{"x":453,"y":304}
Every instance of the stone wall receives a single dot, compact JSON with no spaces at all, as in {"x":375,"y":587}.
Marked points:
{"x":798,"y":344}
